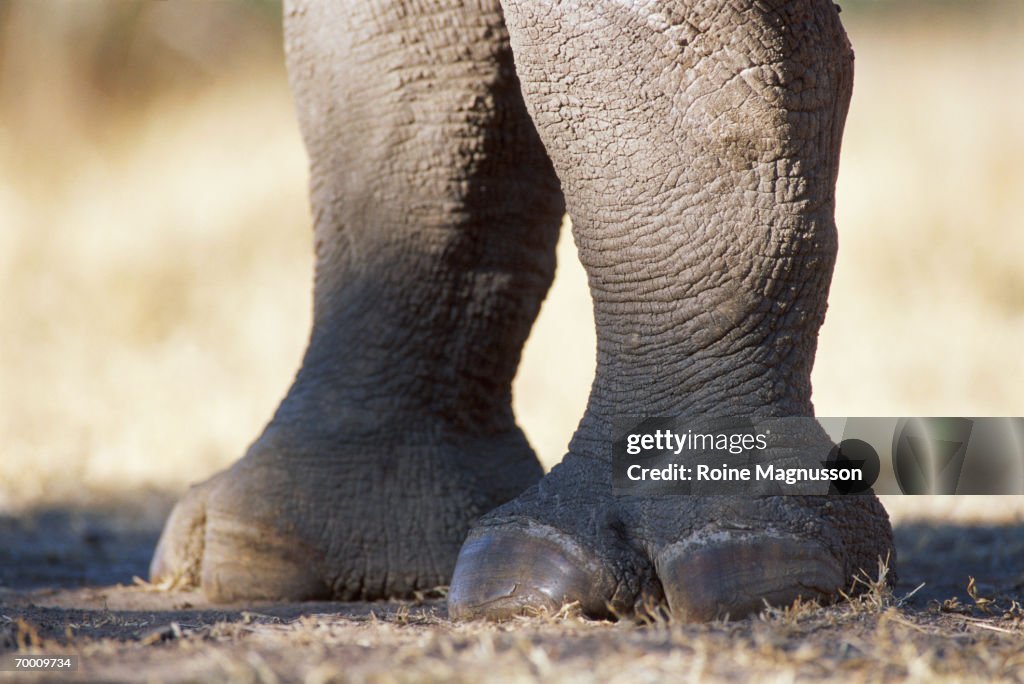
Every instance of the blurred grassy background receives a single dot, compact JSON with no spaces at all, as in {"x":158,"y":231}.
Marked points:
{"x":155,"y":259}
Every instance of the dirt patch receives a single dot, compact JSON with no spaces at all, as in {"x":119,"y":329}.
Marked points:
{"x":52,"y":561}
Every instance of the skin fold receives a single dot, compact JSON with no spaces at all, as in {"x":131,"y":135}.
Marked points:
{"x":697,"y":148}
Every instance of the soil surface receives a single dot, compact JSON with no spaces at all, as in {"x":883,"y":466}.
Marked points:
{"x":67,"y":587}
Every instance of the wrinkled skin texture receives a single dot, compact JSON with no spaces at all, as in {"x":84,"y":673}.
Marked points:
{"x":697,"y":146}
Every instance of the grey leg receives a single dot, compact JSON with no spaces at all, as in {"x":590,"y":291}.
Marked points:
{"x":436,"y":211}
{"x":698,"y":147}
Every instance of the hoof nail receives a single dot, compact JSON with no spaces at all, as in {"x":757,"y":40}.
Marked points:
{"x":736,"y":577}
{"x":500,"y":574}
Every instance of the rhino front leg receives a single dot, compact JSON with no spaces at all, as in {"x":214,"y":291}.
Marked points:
{"x":698,"y":147}
{"x":436,"y":212}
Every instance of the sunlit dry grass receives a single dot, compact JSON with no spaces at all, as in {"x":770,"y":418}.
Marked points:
{"x":156,"y":301}
{"x":927,"y":310}
{"x":154,"y":280}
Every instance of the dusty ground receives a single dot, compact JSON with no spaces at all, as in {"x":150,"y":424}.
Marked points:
{"x":949,"y":629}
{"x":154,"y":303}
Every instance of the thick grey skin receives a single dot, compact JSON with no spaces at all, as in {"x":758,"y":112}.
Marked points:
{"x":697,"y":144}
{"x":698,"y":147}
{"x":436,"y":214}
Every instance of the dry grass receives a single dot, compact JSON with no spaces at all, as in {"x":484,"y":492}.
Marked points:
{"x":154,"y":303}
{"x":155,"y":268}
{"x":927,"y":309}
{"x":868,"y":639}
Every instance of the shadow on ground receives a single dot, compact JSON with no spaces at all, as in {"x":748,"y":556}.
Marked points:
{"x":48,"y":551}
{"x":75,"y":547}
{"x":945,"y":556}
